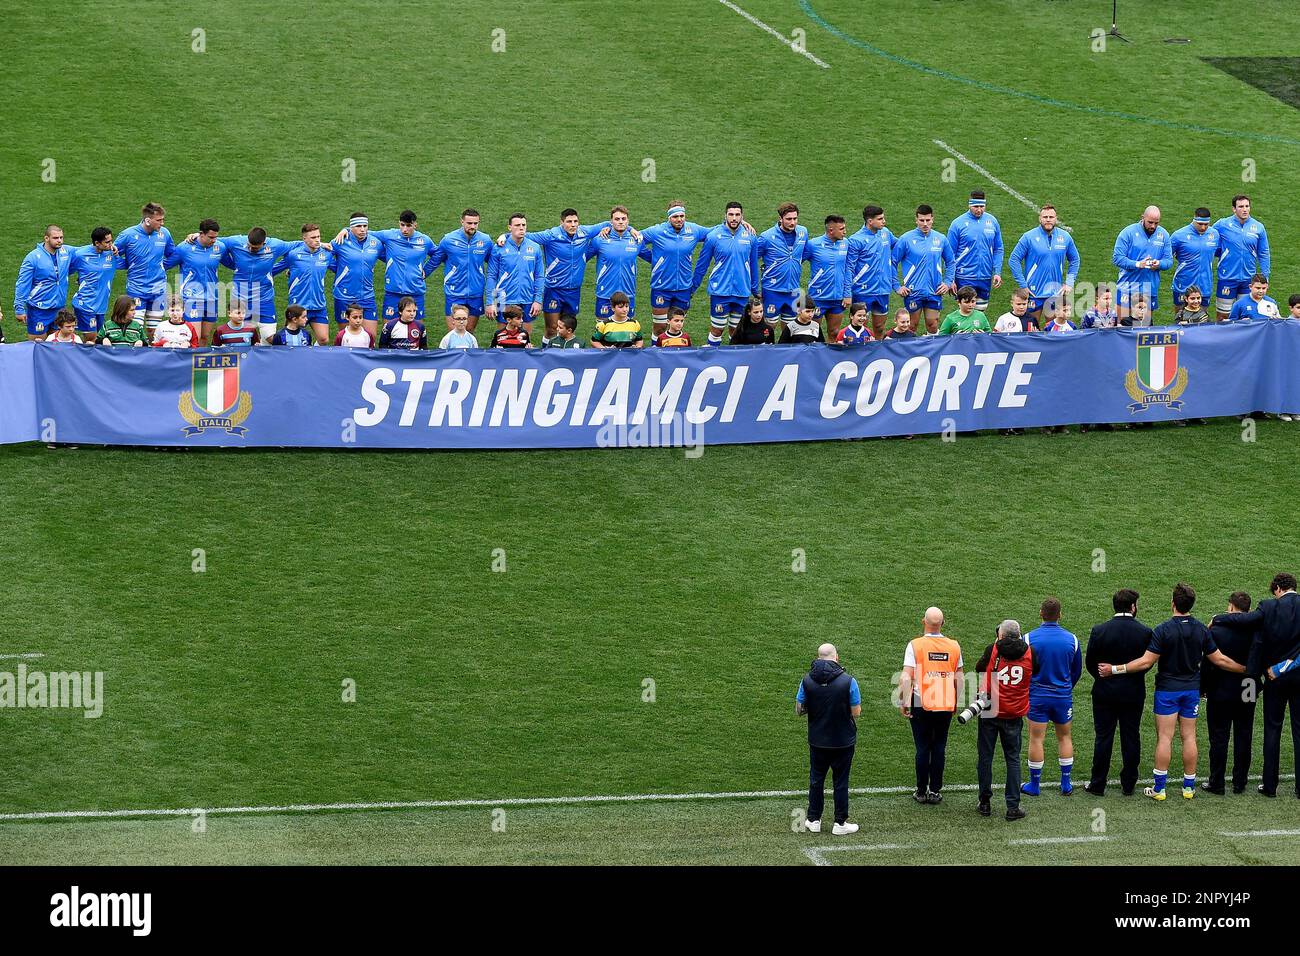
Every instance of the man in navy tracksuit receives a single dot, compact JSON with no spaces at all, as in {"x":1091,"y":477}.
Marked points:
{"x":830,"y":699}
{"x":1051,"y":694}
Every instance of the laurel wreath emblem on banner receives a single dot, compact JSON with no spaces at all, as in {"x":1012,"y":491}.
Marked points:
{"x":1140,"y":396}
{"x":200,"y":423}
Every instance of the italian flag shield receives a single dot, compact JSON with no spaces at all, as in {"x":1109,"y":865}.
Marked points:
{"x":1157,"y":365}
{"x":216,"y":390}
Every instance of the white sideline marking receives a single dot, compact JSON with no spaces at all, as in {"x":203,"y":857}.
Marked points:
{"x":14,"y":657}
{"x":453,"y":804}
{"x":784,"y":39}
{"x":986,"y":174}
{"x":814,"y":853}
{"x":1042,"y":841}
{"x":1259,"y":833}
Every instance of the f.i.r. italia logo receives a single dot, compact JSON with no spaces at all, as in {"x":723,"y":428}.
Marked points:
{"x":1157,"y":379}
{"x":215,"y":400}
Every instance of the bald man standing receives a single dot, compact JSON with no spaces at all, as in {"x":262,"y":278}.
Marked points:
{"x":830,"y":699}
{"x":927,"y":696}
{"x":1142,"y":251}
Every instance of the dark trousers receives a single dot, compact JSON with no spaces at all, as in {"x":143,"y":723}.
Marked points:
{"x":1105,"y":716}
{"x":1007,"y":729}
{"x":837,"y":760}
{"x":1236,"y":718}
{"x":1278,"y":695}
{"x":930,"y":731}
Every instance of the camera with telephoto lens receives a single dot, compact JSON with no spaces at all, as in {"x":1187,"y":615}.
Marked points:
{"x":980,"y":704}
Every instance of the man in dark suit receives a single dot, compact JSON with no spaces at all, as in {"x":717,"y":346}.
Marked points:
{"x":1230,"y":702}
{"x":1277,"y":640}
{"x":1117,"y":700}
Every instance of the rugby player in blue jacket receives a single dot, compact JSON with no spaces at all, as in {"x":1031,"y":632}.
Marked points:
{"x":735,"y":276}
{"x":781,"y":255}
{"x":516,"y":275}
{"x":976,"y":240}
{"x":1194,"y":247}
{"x":1051,"y":694}
{"x":565,"y":248}
{"x":1243,"y":253}
{"x":1040,"y":259}
{"x":464,"y":253}
{"x":616,"y":252}
{"x":1143,"y":250}
{"x":145,"y":246}
{"x":406,"y":250}
{"x":94,"y":266}
{"x":42,"y":286}
{"x":251,"y":258}
{"x":355,"y":255}
{"x":829,"y":283}
{"x":198,"y":258}
{"x":307,"y":263}
{"x":926,"y":260}
{"x":669,"y":249}
{"x":871,"y":267}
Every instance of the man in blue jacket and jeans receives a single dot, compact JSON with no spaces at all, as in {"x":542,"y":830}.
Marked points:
{"x":830,"y":699}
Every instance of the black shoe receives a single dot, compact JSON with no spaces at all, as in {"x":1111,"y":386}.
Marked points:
{"x":1087,"y":788}
{"x":1265,"y":792}
{"x":920,"y":796}
{"x":1243,"y":790}
{"x":934,"y":798}
{"x":1015,"y":813}
{"x":1208,"y":789}
{"x":1129,"y":793}
{"x":1105,"y":427}
{"x":985,"y":809}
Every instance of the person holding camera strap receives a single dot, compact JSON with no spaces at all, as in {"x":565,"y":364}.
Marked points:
{"x":1008,"y":665}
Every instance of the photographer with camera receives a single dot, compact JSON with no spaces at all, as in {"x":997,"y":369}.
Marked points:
{"x":1008,"y":665}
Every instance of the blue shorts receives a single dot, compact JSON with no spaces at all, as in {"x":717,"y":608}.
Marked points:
{"x":201,"y":310}
{"x":88,"y":321}
{"x":1180,"y":299}
{"x":319,"y":316}
{"x":661,"y":300}
{"x":1055,"y":710}
{"x":775,"y":304}
{"x":262,"y":309}
{"x":392,"y":298}
{"x":914,"y":303}
{"x":525,"y":307}
{"x":1231,"y":291}
{"x":829,"y":306}
{"x":153,"y":304}
{"x":604,"y":310}
{"x":341,"y":305}
{"x":722,"y":307}
{"x":475,"y":304}
{"x":40,"y":321}
{"x":1184,"y":703}
{"x":1126,"y":296}
{"x":1037,"y":302}
{"x":876,"y":304}
{"x":981,"y":289}
{"x":562,"y":301}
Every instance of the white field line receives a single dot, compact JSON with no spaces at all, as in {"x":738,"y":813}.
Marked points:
{"x":814,"y":853}
{"x":1046,"y":841}
{"x":1259,"y":833}
{"x":454,"y":804}
{"x":776,"y":33}
{"x":986,"y":174}
{"x":16,"y":657}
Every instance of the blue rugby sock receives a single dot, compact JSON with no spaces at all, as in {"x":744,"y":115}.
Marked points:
{"x":1067,"y":767}
{"x":1189,"y":782}
{"x":1162,"y":776}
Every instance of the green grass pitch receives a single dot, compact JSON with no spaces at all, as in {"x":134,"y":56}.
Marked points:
{"x":224,"y":688}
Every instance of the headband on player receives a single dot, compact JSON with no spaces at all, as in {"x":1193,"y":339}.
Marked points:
{"x":977,"y":202}
{"x":358,"y":221}
{"x":1204,"y":219}
{"x":677,"y":211}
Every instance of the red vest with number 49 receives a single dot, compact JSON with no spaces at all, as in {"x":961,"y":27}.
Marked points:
{"x":1010,"y":680}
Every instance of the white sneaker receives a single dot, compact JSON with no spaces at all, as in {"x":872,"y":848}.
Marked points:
{"x":813,"y":826}
{"x":1286,"y":418}
{"x":841,"y":829}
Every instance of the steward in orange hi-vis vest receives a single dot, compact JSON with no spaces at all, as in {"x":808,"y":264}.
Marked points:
{"x":937,"y":660}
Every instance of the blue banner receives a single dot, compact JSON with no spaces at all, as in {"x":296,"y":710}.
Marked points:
{"x":339,"y":397}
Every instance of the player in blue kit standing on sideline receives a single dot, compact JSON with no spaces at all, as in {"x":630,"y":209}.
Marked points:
{"x":1194,"y":247}
{"x":926,"y":261}
{"x":145,"y":247}
{"x":735,"y":276}
{"x":669,"y":248}
{"x":464,"y":254}
{"x":94,"y":266}
{"x":871,"y":267}
{"x":42,"y":286}
{"x":1040,"y":259}
{"x":516,"y":275}
{"x":198,"y":257}
{"x":355,"y":255}
{"x":1143,"y":251}
{"x":1051,"y":694}
{"x":616,"y":253}
{"x":976,"y":240}
{"x":307,"y":263}
{"x":406,"y":250}
{"x":1243,"y":254}
{"x":780,"y":257}
{"x":829,"y":284}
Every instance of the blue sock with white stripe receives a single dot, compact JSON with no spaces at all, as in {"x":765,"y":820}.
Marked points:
{"x":1067,"y":767}
{"x":1189,"y":782}
{"x":1162,"y":777}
